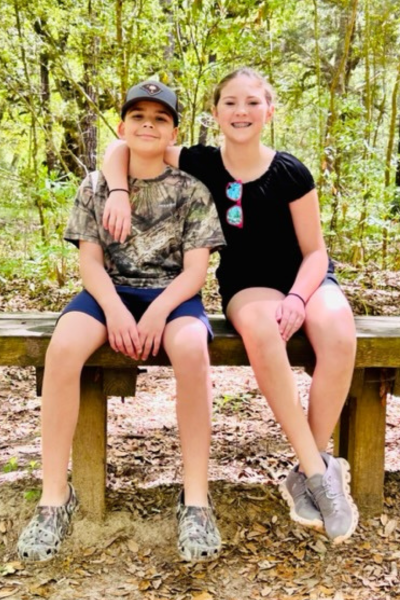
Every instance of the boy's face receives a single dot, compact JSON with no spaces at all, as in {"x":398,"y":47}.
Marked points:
{"x":148,"y":128}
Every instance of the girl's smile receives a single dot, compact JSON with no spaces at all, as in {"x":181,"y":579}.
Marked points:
{"x":243,"y":106}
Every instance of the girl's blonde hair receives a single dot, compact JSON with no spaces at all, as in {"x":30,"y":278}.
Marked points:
{"x":268,"y":89}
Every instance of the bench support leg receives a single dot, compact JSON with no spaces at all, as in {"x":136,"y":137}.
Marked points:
{"x":89,"y":446}
{"x":361,"y":436}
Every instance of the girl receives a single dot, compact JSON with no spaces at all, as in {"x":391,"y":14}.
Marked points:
{"x":274,"y":277}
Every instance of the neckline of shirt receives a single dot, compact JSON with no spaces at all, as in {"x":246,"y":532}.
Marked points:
{"x":258,"y":179}
{"x":135,"y":180}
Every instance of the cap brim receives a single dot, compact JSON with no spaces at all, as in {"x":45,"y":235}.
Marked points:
{"x":134,"y":101}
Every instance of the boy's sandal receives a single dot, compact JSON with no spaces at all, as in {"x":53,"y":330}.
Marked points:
{"x":42,"y":537}
{"x":198,"y":535}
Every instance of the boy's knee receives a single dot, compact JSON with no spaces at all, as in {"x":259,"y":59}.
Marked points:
{"x":191,"y":353}
{"x":61,"y":352}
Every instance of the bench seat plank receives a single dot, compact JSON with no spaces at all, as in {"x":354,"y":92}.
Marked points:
{"x":24,"y":338}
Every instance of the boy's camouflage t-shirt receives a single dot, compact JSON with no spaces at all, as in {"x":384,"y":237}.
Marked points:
{"x":171,"y":214}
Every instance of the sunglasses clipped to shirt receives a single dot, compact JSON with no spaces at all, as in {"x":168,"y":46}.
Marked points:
{"x":234,"y":214}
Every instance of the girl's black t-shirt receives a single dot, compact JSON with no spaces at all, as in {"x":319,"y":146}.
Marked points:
{"x":265,"y":252}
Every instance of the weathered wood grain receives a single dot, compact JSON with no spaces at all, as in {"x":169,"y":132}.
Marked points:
{"x":24,"y":339}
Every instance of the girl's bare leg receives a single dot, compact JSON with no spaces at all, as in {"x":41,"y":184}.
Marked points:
{"x":252,"y":313}
{"x":329,"y":326}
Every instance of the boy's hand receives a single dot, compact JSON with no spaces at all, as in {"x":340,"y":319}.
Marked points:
{"x":123,"y":332}
{"x":117,"y":216}
{"x":290,"y":315}
{"x":151,"y":328}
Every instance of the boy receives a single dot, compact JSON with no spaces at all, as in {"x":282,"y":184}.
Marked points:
{"x":138,"y":295}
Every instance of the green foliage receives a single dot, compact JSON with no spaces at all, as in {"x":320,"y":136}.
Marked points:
{"x":32,"y":495}
{"x":66,"y":67}
{"x":11,"y":465}
{"x":231,"y":403}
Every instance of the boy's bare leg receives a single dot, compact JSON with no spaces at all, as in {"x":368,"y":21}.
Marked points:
{"x":252,"y":313}
{"x":330,"y":328}
{"x":75,"y":338}
{"x":185,"y":341}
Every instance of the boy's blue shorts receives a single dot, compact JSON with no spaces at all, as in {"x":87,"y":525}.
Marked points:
{"x":137,"y":301}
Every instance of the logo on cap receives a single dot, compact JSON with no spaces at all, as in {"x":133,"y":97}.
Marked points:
{"x":151,"y":88}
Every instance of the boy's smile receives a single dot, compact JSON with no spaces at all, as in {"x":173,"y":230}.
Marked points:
{"x":148,"y":126}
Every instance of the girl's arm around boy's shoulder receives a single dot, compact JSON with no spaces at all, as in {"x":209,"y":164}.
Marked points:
{"x":117,"y":211}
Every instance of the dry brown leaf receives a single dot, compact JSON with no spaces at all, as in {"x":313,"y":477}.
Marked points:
{"x":11,"y":568}
{"x":202,"y":596}
{"x":390,"y":527}
{"x":384,"y":519}
{"x":8,"y":592}
{"x":325,"y":590}
{"x":199,"y":575}
{"x":133,"y":546}
{"x":40,"y":590}
{"x":318,"y":547}
{"x":144,"y":585}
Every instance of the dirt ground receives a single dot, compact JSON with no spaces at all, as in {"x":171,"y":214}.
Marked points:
{"x":132,"y":555}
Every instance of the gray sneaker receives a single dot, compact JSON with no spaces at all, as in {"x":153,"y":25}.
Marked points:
{"x":331,"y":493}
{"x":198,"y":535}
{"x":300,"y":501}
{"x":41,"y":539}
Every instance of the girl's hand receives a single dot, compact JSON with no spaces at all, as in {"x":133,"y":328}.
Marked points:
{"x":290,"y":315}
{"x":123,"y":334}
{"x":117,"y":216}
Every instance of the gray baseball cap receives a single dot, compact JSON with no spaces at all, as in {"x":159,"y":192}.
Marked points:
{"x":154,"y":91}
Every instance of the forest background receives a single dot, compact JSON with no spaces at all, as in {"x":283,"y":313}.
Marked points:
{"x":66,"y":66}
{"x":65,"y":69}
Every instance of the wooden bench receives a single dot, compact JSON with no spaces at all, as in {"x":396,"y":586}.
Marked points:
{"x":360,"y":435}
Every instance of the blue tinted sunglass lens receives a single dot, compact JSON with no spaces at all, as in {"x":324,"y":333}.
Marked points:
{"x":234,"y":191}
{"x":234,"y":215}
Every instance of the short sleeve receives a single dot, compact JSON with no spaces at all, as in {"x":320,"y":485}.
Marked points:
{"x":82,"y":224}
{"x":295,"y":176}
{"x":196,"y":160}
{"x":202,"y":228}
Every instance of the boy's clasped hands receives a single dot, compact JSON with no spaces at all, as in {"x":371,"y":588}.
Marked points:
{"x":136,"y":340}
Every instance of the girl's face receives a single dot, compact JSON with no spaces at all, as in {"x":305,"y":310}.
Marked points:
{"x":243,"y":109}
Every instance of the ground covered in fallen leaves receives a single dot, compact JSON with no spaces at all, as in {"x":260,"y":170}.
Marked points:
{"x":132,"y":555}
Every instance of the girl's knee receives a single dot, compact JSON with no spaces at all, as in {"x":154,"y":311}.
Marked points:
{"x":261,"y":335}
{"x":254,"y":322}
{"x":337,"y":341}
